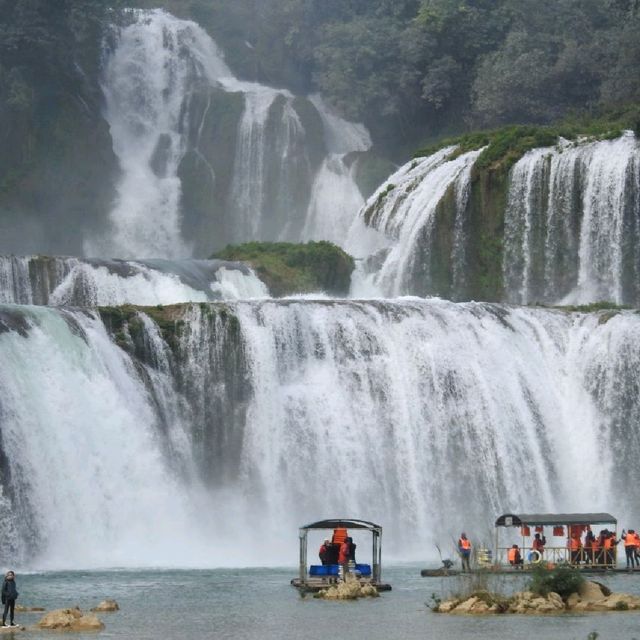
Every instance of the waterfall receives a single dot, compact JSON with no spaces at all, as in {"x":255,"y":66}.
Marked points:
{"x":97,"y":282}
{"x":147,"y":82}
{"x":571,"y":232}
{"x":162,"y":84}
{"x":427,"y":416}
{"x":335,"y":197}
{"x":403,"y":211}
{"x":572,"y":224}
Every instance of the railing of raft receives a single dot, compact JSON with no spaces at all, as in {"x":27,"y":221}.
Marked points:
{"x":552,"y":556}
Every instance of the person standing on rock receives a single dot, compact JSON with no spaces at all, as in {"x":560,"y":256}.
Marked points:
{"x":9,"y":597}
{"x":464,"y":549}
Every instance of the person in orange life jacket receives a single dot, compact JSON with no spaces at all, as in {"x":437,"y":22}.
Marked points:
{"x":324,"y":551}
{"x":630,"y":545}
{"x":538,"y":543}
{"x":590,"y":547}
{"x":514,"y":556}
{"x":464,"y":548}
{"x":575,"y":546}
{"x":637,"y":549}
{"x":343,"y":557}
{"x":609,"y":546}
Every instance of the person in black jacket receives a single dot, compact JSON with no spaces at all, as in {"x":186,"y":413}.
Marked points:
{"x":9,"y":596}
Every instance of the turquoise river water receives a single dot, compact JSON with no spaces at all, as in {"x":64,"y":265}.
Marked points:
{"x":256,"y":604}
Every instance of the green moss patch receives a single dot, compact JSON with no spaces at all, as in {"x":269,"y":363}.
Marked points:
{"x":288,"y":268}
{"x":506,"y":145}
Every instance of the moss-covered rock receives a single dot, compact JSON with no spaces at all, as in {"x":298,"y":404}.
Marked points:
{"x":288,"y":268}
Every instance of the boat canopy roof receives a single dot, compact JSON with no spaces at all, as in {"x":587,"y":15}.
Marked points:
{"x":518,"y":519}
{"x":342,"y":523}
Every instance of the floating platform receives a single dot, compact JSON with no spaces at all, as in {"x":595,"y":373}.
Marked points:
{"x":501,"y":571}
{"x":313,"y":585}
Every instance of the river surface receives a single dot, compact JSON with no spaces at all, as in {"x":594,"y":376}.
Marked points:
{"x":259,"y":604}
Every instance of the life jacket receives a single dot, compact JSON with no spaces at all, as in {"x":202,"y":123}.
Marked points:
{"x":630,"y":540}
{"x":636,"y":539}
{"x":538,"y":545}
{"x":343,"y":556}
{"x":574,"y":544}
{"x":513,"y":555}
{"x":464,"y":544}
{"x":608,"y":543}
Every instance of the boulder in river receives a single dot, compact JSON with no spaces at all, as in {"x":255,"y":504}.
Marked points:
{"x":70,"y":620}
{"x":107,"y":606}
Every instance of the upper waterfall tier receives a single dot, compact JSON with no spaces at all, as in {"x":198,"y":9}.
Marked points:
{"x":207,"y":159}
{"x":80,"y":282}
{"x":165,"y":434}
{"x":563,"y":226}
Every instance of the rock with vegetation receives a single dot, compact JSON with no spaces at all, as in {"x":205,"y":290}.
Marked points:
{"x":549,"y":591}
{"x":70,"y":620}
{"x":289,"y":269}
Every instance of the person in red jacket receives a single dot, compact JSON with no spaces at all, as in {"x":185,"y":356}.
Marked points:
{"x":324,"y":551}
{"x":343,"y":558}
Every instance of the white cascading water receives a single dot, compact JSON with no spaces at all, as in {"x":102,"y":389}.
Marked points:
{"x":148,"y":83}
{"x":402,"y":210}
{"x":147,"y":80}
{"x":572,"y":224}
{"x":86,"y":283}
{"x":426,"y":416}
{"x":335,"y":197}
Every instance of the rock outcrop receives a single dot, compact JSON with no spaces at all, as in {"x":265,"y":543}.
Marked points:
{"x":70,"y":620}
{"x":107,"y":606}
{"x":351,"y":589}
{"x":591,"y":597}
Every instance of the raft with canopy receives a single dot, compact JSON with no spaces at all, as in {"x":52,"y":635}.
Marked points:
{"x":315,"y":577}
{"x":576,"y":547}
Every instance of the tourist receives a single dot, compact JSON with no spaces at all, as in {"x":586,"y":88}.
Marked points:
{"x":539,"y":543}
{"x":575,"y":546}
{"x":352,"y":550}
{"x":324,"y":551}
{"x":464,"y":549}
{"x":609,"y":548}
{"x":343,"y":559}
{"x":515,"y":557}
{"x":590,"y":548}
{"x":9,"y":596}
{"x":630,"y":545}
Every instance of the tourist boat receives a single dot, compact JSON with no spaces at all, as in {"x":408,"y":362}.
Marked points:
{"x":566,"y":526}
{"x":320,"y":576}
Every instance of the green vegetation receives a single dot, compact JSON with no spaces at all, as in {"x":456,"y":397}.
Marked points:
{"x":563,"y":580}
{"x":295,"y":268}
{"x":505,"y":146}
{"x":424,"y":68}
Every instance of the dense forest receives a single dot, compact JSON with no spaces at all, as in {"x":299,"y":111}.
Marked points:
{"x":429,"y":67}
{"x":401,"y":66}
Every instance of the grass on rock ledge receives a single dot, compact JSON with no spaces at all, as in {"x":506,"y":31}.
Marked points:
{"x":505,"y":146}
{"x":288,"y":268}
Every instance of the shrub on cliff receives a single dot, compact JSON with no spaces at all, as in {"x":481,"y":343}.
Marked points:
{"x":288,"y":268}
{"x":563,"y":580}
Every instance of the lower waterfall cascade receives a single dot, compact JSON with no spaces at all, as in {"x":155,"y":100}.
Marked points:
{"x":428,"y":416}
